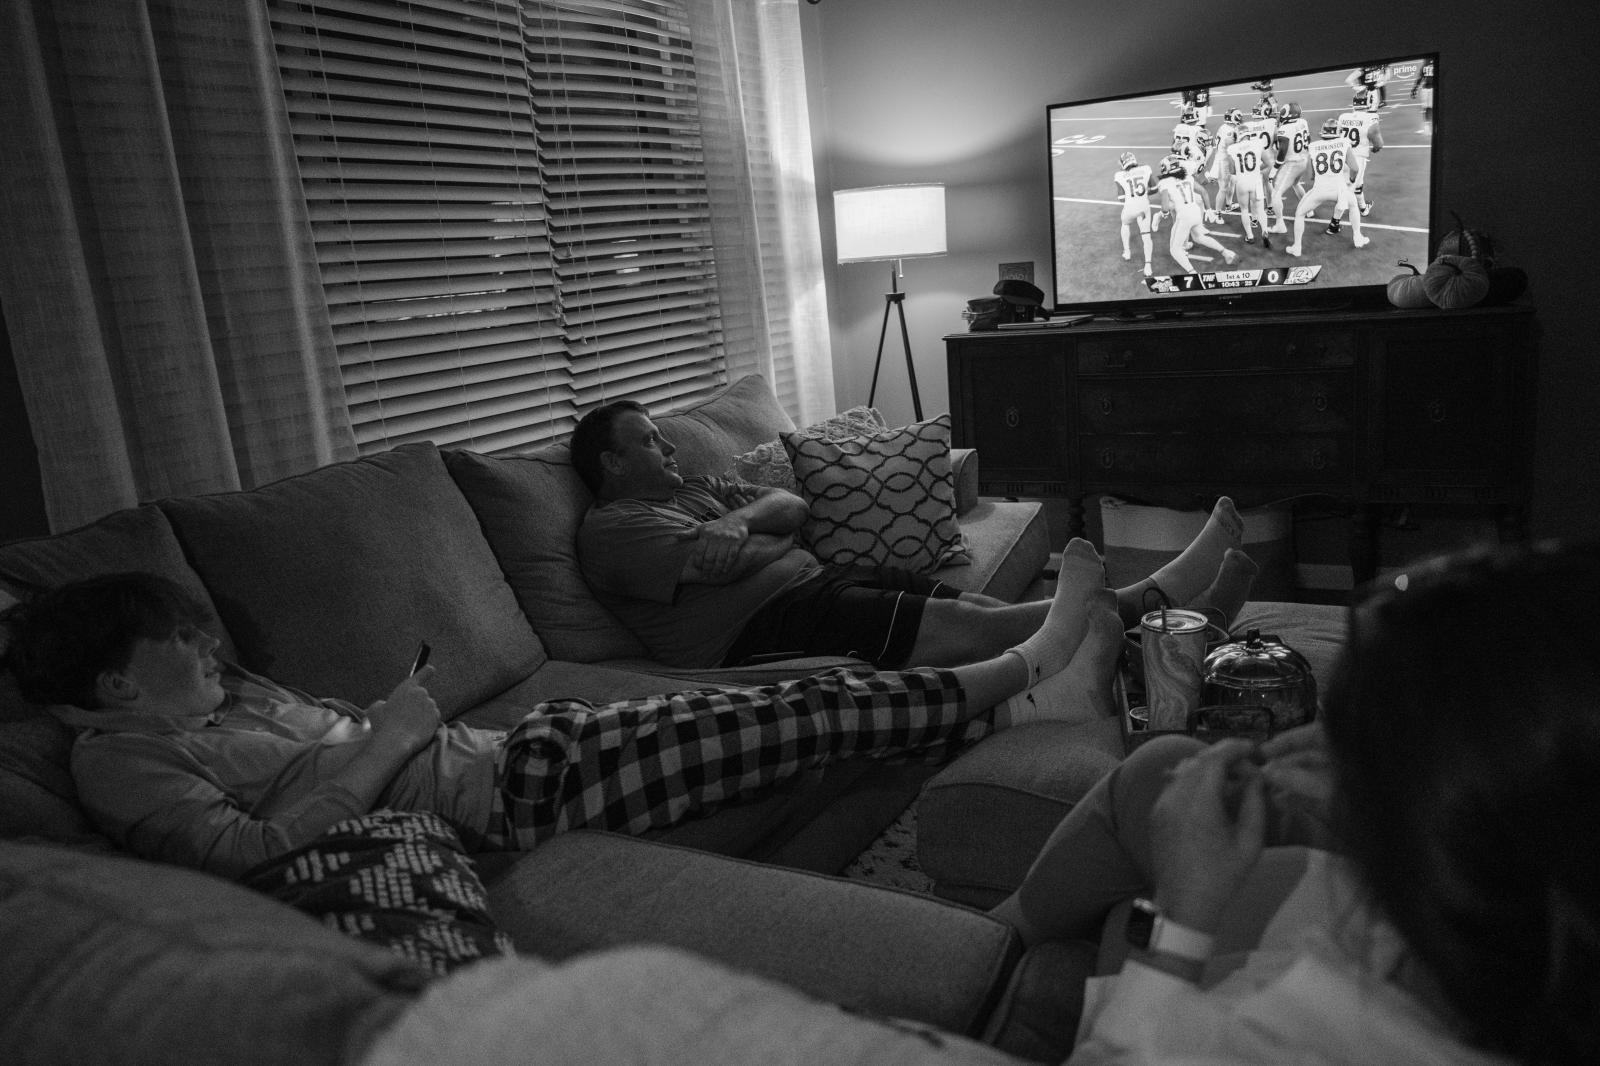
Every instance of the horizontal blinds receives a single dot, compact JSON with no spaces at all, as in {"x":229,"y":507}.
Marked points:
{"x":620,"y":132}
{"x":414,"y":129}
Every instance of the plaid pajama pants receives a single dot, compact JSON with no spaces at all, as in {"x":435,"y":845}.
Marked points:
{"x":647,"y":763}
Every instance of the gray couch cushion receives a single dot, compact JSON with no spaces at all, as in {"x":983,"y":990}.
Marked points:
{"x":839,"y":940}
{"x":113,"y":960}
{"x":328,"y":580}
{"x":712,"y":433}
{"x":138,"y":538}
{"x":982,"y":819}
{"x":529,"y":508}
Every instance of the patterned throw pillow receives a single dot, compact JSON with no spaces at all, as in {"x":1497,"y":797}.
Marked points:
{"x":769,"y":463}
{"x":886,"y":498}
{"x":397,"y":879}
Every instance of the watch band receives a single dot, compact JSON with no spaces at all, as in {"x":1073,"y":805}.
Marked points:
{"x":1151,"y":930}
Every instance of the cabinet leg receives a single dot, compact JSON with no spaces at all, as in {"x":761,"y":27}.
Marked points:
{"x":1363,"y":544}
{"x":1512,"y":523}
{"x":1075,"y":516}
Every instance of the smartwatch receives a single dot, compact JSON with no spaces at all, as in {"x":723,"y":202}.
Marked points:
{"x":1151,"y":930}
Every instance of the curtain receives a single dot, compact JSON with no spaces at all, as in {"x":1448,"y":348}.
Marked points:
{"x":763,"y":192}
{"x":158,"y":278}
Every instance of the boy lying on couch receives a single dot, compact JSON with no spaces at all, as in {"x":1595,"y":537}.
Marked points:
{"x":185,"y":759}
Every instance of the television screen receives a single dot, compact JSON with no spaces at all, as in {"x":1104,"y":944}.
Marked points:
{"x":1303,"y":188}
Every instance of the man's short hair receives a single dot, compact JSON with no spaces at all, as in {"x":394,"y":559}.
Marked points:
{"x":594,"y":436}
{"x":62,"y":639}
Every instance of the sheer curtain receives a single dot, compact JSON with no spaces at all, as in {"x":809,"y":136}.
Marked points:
{"x":160,"y":288}
{"x":763,"y":193}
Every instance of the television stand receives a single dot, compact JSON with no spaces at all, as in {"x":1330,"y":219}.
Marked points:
{"x":1364,"y":407}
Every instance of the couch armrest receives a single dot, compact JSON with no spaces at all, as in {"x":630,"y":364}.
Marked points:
{"x":964,"y":465}
{"x":863,"y":946}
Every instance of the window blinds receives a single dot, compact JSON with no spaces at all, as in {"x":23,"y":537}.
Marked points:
{"x":508,"y":207}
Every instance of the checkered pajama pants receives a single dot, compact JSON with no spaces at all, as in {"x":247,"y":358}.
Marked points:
{"x":646,"y":763}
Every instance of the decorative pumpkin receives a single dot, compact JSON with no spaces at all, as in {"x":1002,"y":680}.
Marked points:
{"x":1406,"y":290}
{"x":1456,"y":281}
{"x":1467,"y":242}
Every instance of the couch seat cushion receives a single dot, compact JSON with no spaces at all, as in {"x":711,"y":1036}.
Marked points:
{"x":329,"y":579}
{"x":845,"y":941}
{"x":114,"y":960}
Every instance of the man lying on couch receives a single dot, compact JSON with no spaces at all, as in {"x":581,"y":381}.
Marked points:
{"x":706,"y":572}
{"x":185,"y":759}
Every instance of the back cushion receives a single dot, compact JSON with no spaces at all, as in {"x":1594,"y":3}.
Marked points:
{"x":329,"y":579}
{"x":138,"y":538}
{"x":113,"y":960}
{"x":530,"y":507}
{"x":712,"y":434}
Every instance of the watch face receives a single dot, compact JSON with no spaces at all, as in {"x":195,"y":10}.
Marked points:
{"x":1141,"y":923}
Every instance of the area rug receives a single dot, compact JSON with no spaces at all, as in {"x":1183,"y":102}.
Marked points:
{"x":892,"y":858}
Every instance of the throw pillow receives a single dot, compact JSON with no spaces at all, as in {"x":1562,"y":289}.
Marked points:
{"x":769,"y":463}
{"x":885,"y":498}
{"x":399,"y":879}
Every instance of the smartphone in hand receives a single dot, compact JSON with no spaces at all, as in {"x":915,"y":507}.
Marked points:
{"x":423,"y":651}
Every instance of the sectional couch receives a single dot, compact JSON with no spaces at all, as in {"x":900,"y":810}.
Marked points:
{"x":328,"y":580}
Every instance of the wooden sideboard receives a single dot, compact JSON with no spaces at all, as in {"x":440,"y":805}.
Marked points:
{"x":1365,"y":408}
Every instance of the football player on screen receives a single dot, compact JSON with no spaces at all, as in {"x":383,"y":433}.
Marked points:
{"x":1133,"y":189}
{"x":1188,"y":144}
{"x":1178,"y":195}
{"x":1423,"y":87}
{"x":1360,"y":127}
{"x":1246,"y":169}
{"x":1294,"y":137}
{"x":1331,"y":162}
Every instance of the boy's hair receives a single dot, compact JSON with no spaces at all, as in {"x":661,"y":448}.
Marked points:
{"x":593,"y":437}
{"x":62,"y":639}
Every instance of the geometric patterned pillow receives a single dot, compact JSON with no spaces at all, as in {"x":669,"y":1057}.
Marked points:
{"x":399,"y":879}
{"x":882,"y":498}
{"x":768,"y":464}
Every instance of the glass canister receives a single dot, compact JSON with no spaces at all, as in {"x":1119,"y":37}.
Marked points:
{"x":1258,"y":673}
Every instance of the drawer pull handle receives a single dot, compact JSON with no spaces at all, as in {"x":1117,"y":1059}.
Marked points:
{"x":1105,"y":405}
{"x":1437,"y":412}
{"x":1107,"y":459}
{"x":1318,"y":460}
{"x":1118,"y":360}
{"x":1013,"y":418}
{"x":1319,"y":402}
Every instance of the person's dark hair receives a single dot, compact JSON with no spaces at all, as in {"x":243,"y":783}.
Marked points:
{"x":1464,"y":723}
{"x":593,"y":436}
{"x":61,"y":639}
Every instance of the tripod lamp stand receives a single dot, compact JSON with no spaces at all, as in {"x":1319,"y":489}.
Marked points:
{"x":894,"y":223}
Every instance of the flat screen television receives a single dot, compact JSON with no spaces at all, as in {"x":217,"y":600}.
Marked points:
{"x":1109,"y":155}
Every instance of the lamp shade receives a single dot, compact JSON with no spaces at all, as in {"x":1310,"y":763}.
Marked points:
{"x":889,"y":222}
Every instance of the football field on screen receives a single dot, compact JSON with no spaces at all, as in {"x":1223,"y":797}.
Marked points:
{"x":1086,"y":144}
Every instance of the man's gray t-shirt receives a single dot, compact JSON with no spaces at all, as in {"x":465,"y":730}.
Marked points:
{"x":632,"y":552}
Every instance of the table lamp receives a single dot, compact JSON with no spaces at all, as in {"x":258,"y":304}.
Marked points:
{"x":890,"y":222}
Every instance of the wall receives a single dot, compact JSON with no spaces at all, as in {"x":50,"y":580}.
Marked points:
{"x":954,"y":91}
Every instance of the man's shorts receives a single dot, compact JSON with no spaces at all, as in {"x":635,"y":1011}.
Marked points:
{"x":870,"y":613}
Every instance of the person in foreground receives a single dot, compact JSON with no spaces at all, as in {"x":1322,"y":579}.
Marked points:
{"x":1450,"y":915}
{"x":706,"y":571}
{"x":186,"y":759}
{"x":1450,"y":907}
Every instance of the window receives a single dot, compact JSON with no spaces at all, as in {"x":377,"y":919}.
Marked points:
{"x":510,"y":210}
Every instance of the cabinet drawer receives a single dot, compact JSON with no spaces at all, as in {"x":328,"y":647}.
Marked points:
{"x":1157,"y":459}
{"x":1243,"y":403}
{"x":1178,"y":351}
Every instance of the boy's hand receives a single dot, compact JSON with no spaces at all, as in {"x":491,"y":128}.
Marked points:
{"x":408,"y":711}
{"x":1207,"y":830}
